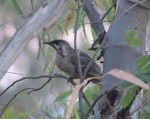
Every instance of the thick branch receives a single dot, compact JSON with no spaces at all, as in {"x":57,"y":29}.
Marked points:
{"x":44,"y":18}
{"x":93,"y":16}
{"x":116,"y":53}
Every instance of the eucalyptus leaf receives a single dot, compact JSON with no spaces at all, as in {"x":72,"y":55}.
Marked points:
{"x":92,"y":92}
{"x":62,"y":96}
{"x":125,"y":84}
{"x":19,"y":10}
{"x":143,"y":62}
{"x":94,"y":34}
{"x":128,"y":97}
{"x":131,"y":39}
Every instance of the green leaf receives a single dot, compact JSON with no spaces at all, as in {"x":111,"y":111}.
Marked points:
{"x":9,"y":113}
{"x":125,"y":84}
{"x":81,"y":18}
{"x":143,"y":62}
{"x":59,"y":117}
{"x":84,"y":31}
{"x":62,"y":96}
{"x":92,"y":92}
{"x":128,"y":97}
{"x":131,"y":39}
{"x":76,"y":114}
{"x":93,"y":33}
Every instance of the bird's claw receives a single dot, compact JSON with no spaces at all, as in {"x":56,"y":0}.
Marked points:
{"x":70,"y":79}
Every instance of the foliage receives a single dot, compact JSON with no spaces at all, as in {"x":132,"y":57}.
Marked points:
{"x":67,"y":22}
{"x":142,"y":71}
{"x":131,"y":39}
{"x":129,"y":96}
{"x":48,"y":113}
{"x":62,"y":96}
{"x":10,"y":113}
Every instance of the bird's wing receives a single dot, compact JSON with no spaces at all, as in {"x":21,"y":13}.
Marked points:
{"x":94,"y":69}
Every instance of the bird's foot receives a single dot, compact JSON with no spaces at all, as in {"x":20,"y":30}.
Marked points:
{"x":70,"y":80}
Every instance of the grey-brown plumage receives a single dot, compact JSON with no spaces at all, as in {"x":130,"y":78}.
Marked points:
{"x":66,"y":60}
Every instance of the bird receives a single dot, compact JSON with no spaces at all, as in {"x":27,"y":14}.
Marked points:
{"x":66,"y":60}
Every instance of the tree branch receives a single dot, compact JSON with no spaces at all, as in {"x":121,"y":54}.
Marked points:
{"x":36,"y":89}
{"x":44,"y":18}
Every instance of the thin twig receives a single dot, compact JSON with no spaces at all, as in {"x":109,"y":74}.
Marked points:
{"x":13,"y":99}
{"x":20,"y":74}
{"x":108,"y":103}
{"x":108,"y":11}
{"x":37,"y":77}
{"x":41,"y":86}
{"x":36,"y":89}
{"x":24,"y":78}
{"x":78,"y":59}
{"x":92,"y":106}
{"x":17,"y":17}
{"x":75,"y":40}
{"x":137,"y":108}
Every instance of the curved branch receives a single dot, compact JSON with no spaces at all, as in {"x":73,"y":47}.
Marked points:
{"x":13,"y":99}
{"x":44,"y":18}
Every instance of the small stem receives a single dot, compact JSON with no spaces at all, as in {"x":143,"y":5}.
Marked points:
{"x":78,"y":60}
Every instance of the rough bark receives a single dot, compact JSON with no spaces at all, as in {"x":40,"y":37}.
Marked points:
{"x":116,"y":53}
{"x":44,"y":18}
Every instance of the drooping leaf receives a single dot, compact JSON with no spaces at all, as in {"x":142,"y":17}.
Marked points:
{"x":18,"y":8}
{"x":82,"y":15}
{"x":84,"y":31}
{"x":128,"y":97}
{"x":126,"y":76}
{"x":141,"y":74}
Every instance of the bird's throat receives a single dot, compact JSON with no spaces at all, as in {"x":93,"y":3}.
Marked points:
{"x":60,"y":52}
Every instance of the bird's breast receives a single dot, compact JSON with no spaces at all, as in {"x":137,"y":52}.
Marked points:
{"x":64,"y":64}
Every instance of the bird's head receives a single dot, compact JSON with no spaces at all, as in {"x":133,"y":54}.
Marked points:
{"x":61,"y":46}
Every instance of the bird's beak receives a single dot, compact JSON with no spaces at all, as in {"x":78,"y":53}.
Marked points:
{"x":49,"y":43}
{"x":55,"y":46}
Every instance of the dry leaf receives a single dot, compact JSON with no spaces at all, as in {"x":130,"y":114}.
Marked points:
{"x":128,"y":77}
{"x":75,"y":94}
